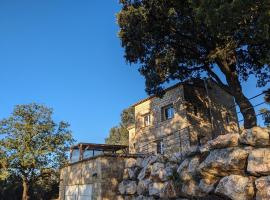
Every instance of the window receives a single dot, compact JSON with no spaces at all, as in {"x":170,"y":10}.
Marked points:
{"x":75,"y":155}
{"x":147,"y":120}
{"x":168,"y":112}
{"x":160,"y":147}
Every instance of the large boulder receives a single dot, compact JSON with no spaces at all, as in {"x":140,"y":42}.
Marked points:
{"x":188,"y":169}
{"x":139,"y":162}
{"x":152,"y":159}
{"x":125,"y":174}
{"x":130,"y":162}
{"x":170,"y":190}
{"x":141,"y":197}
{"x":236,"y":187}
{"x":119,"y":197}
{"x":162,"y":172}
{"x":127,"y":187}
{"x":176,"y":157}
{"x":168,"y":172}
{"x":143,"y":186}
{"x":155,"y":189}
{"x":130,"y":173}
{"x":259,"y":162}
{"x":191,"y":189}
{"x":263,"y":188}
{"x":256,"y":136}
{"x":222,"y":141}
{"x":164,"y":190}
{"x":188,"y":175}
{"x":156,"y":170}
{"x":223,"y":162}
{"x":145,"y":172}
{"x":182,"y":171}
{"x":207,"y":184}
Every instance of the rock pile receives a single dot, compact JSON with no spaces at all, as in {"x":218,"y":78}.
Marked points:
{"x":231,"y":166}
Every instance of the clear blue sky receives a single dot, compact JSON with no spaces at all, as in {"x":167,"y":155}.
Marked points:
{"x":66,"y":54}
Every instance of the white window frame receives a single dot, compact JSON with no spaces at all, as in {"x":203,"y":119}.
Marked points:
{"x":147,"y":119}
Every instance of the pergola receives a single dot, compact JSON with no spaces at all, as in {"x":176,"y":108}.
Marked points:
{"x":86,"y":150}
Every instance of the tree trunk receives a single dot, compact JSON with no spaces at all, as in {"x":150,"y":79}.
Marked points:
{"x":246,"y":108}
{"x":25,"y":195}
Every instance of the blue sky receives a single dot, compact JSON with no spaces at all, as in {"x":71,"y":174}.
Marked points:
{"x":66,"y":54}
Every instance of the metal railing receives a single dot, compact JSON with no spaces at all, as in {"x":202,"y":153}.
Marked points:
{"x":171,"y":142}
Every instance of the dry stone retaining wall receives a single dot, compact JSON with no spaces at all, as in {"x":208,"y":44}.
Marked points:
{"x":231,"y":166}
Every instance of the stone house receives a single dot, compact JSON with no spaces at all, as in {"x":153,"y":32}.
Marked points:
{"x":187,"y":116}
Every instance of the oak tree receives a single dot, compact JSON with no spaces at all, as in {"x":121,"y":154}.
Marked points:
{"x":34,"y":145}
{"x":179,"y":40}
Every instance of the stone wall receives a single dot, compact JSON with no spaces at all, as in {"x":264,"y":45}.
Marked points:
{"x":103,"y":172}
{"x":232,"y":166}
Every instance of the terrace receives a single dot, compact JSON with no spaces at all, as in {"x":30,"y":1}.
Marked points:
{"x":83,"y":151}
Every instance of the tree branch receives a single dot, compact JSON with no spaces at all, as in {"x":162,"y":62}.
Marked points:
{"x":218,"y":80}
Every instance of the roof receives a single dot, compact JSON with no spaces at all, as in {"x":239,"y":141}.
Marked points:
{"x":101,"y":147}
{"x":152,"y":96}
{"x":188,"y":82}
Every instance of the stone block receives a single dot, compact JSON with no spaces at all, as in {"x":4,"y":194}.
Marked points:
{"x":259,"y":162}
{"x":130,"y":162}
{"x":223,"y":162}
{"x":127,"y":187}
{"x":236,"y":187}
{"x":256,"y":136}
{"x":222,"y":141}
{"x":263,"y":188}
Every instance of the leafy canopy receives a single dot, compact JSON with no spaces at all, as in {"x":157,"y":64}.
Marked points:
{"x":33,"y":144}
{"x":172,"y":39}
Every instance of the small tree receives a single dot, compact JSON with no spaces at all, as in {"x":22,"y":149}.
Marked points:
{"x":128,"y":116}
{"x":119,"y":134}
{"x":33,"y":143}
{"x":183,"y":39}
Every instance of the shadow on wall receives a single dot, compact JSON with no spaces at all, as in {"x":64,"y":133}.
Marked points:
{"x":200,"y":114}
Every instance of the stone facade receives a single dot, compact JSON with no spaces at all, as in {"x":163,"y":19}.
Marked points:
{"x":101,"y":173}
{"x":202,"y":111}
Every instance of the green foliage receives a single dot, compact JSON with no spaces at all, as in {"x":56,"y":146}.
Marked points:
{"x":266,"y":116}
{"x":119,"y":134}
{"x":11,"y":188}
{"x":174,"y":39}
{"x":127,"y":117}
{"x":267,"y":96}
{"x":266,"y":112}
{"x":33,"y":144}
{"x":179,"y":40}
